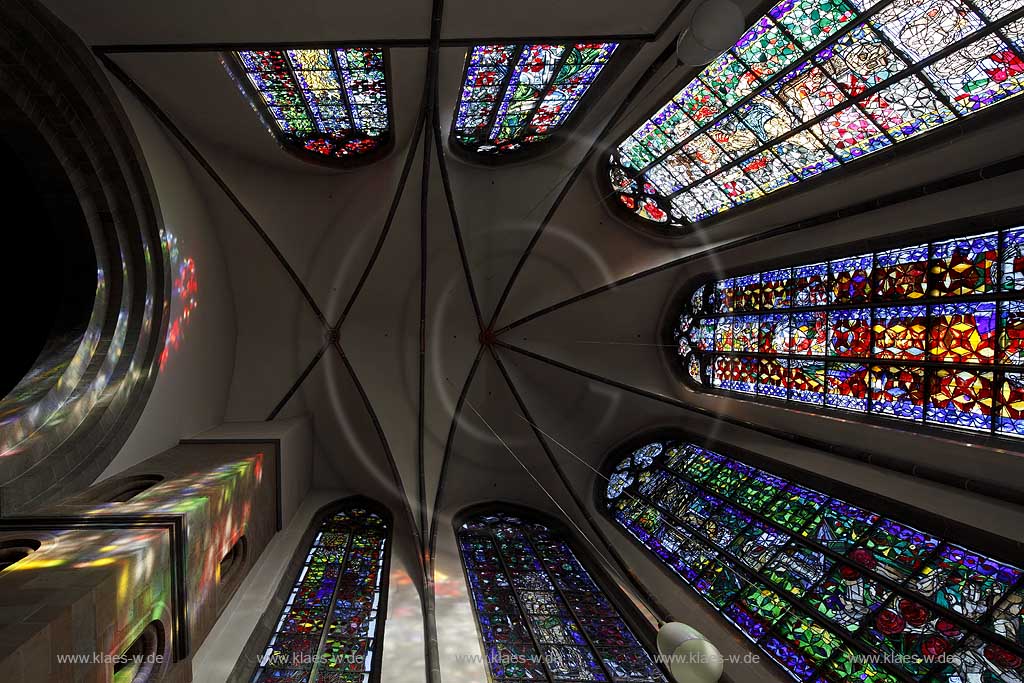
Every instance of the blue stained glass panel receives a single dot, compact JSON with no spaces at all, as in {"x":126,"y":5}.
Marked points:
{"x":1012,"y":260}
{"x":812,"y":567}
{"x":1010,"y":420}
{"x":847,"y":386}
{"x":961,"y":398}
{"x":850,"y":279}
{"x":810,"y":285}
{"x":807,"y":378}
{"x":515,"y":96}
{"x":897,"y":391}
{"x":579,"y":631}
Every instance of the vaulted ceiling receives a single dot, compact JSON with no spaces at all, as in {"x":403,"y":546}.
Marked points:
{"x":418,"y":253}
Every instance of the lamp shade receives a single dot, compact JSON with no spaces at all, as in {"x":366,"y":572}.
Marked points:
{"x":690,"y":656}
{"x":714,"y":27}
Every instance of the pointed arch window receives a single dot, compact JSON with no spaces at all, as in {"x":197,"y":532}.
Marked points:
{"x":515,"y":96}
{"x":815,"y":85}
{"x":540,"y":612}
{"x":829,"y":590}
{"x":332,"y":624}
{"x":328,"y":104}
{"x":929,"y":334}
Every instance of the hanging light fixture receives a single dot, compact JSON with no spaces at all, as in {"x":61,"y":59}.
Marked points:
{"x":691,"y":657}
{"x":714,"y":27}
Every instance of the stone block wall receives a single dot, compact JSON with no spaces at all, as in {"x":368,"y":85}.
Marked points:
{"x":104,"y":572}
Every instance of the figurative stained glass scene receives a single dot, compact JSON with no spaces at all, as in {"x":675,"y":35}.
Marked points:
{"x":328,"y":103}
{"x":815,"y":85}
{"x":931,"y":334}
{"x":540,"y":614}
{"x":828,"y":590}
{"x":514,"y":96}
{"x":332,"y":622}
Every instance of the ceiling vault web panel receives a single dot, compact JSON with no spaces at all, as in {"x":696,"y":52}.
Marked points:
{"x":331,"y":333}
{"x":981,"y":174}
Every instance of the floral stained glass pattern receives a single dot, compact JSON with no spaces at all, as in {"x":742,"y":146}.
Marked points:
{"x":328,"y":103}
{"x":540,"y":614}
{"x":931,"y":333}
{"x":820,"y":584}
{"x":810,"y":86}
{"x":332,"y":624}
{"x":514,"y":96}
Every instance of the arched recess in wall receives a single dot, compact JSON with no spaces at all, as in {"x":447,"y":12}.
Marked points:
{"x":139,"y":662}
{"x":920,"y":331}
{"x":828,"y":589}
{"x":64,"y":420}
{"x":327,"y":616}
{"x":544,"y":610}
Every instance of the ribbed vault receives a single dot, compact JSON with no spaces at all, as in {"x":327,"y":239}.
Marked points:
{"x":460,"y":333}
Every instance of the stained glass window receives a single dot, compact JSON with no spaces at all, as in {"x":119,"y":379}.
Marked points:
{"x":540,"y":613}
{"x":811,"y":86}
{"x":514,"y":96}
{"x":332,"y":624}
{"x":325,"y":103}
{"x":828,"y":590}
{"x":931,"y":333}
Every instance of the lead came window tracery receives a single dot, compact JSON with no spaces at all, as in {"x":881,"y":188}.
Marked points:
{"x":929,"y":334}
{"x":515,"y":96}
{"x":829,"y":590}
{"x":324,"y":103}
{"x":332,"y":626}
{"x":814,"y":85}
{"x":540,"y":614}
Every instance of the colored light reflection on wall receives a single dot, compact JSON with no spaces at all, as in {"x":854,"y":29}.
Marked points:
{"x":137,"y":560}
{"x":217,"y":504}
{"x":185,"y":298}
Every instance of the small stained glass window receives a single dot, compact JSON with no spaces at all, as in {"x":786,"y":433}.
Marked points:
{"x":515,"y":96}
{"x":332,"y":624}
{"x":329,"y":103}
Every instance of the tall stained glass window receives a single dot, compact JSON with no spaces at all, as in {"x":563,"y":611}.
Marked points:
{"x":514,"y":96}
{"x":326,"y":103}
{"x":814,"y":85}
{"x":929,"y":334}
{"x":332,"y":625}
{"x":540,"y":613}
{"x":828,"y":590}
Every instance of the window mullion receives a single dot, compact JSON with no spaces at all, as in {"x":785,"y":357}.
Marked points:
{"x":568,"y":605}
{"x":516,"y":56}
{"x":550,"y":86}
{"x":519,"y":603}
